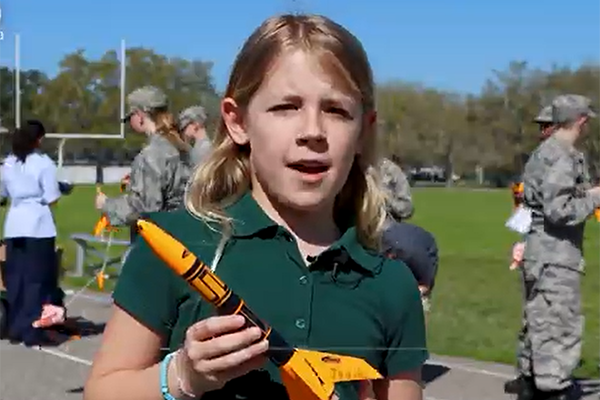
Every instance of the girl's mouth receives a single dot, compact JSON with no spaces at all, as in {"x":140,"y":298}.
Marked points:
{"x":309,"y":168}
{"x":310,"y":171}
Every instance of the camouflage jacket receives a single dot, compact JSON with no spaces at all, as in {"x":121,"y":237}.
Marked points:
{"x":556,"y":180}
{"x":397,"y":189}
{"x":159,"y":175}
{"x":200,"y":151}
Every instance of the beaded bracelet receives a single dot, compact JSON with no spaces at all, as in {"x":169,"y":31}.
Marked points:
{"x":164,"y":371}
{"x":180,"y":384}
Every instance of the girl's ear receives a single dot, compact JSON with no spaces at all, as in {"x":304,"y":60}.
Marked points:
{"x":371,"y":120}
{"x":369,"y":125}
{"x":233,"y":118}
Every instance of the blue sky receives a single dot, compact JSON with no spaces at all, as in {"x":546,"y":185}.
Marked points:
{"x":450,"y":44}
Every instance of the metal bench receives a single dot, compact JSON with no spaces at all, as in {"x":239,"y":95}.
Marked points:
{"x":86,"y":248}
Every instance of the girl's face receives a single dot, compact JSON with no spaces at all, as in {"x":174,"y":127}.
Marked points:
{"x":194,"y":130}
{"x":137,"y":122}
{"x":304,"y":133}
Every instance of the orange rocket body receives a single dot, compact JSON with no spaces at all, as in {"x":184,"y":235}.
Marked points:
{"x":103,"y":224}
{"x":306,"y":374}
{"x":517,"y":194}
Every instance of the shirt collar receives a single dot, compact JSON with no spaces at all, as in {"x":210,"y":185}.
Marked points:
{"x":249,"y":219}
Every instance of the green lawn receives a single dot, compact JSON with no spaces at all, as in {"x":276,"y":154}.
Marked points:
{"x":477,"y":300}
{"x":76,"y":214}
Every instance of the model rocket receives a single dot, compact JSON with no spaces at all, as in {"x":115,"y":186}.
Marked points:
{"x":124,"y":182}
{"x":306,"y":374}
{"x":103,"y":224}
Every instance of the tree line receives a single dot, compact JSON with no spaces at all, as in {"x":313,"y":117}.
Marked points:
{"x":84,"y":97}
{"x":419,"y":126}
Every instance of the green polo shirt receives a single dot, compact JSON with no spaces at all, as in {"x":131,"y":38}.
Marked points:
{"x":349,"y":300}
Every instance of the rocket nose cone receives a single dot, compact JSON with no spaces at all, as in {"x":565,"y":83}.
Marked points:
{"x":141,"y":225}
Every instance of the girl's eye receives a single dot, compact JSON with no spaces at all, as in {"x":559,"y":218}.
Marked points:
{"x":284,"y":107}
{"x":340,"y":111}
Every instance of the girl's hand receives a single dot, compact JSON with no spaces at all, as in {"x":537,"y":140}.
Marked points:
{"x":517,"y":255}
{"x":125,"y":182}
{"x":100,"y":200}
{"x":216,"y":350}
{"x":51,"y":315}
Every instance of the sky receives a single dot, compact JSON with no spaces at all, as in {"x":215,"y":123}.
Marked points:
{"x":448,"y":44}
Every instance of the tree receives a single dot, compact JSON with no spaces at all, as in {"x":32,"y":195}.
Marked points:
{"x":84,"y":96}
{"x":417,"y":125}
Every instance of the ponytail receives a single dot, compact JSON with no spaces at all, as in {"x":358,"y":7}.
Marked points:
{"x":26,"y":139}
{"x":167,"y":127}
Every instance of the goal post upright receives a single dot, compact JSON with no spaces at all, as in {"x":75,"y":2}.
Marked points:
{"x":63,"y":137}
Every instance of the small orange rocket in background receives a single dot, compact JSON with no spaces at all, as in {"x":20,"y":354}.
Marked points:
{"x":124,"y":182}
{"x":517,"y":192}
{"x":306,"y":374}
{"x":102,"y":226}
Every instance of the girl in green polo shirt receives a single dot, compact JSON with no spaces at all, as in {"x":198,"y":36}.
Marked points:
{"x":287,"y":215}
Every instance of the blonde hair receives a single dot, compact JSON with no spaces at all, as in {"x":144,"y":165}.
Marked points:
{"x":225,"y":176}
{"x":167,"y":127}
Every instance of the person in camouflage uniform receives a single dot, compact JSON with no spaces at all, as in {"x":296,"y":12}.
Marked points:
{"x":192,"y":123}
{"x":397,"y":189}
{"x":160,"y":172}
{"x":557,"y":190}
{"x":544,"y":121}
{"x":546,"y":127}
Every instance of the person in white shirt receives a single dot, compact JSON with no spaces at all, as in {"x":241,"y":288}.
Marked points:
{"x":28,"y":180}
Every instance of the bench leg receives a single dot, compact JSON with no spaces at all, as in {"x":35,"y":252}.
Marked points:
{"x":79,"y":261}
{"x":83,"y":251}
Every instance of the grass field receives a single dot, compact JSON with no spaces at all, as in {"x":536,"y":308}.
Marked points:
{"x":477,"y":300}
{"x":76,"y":214}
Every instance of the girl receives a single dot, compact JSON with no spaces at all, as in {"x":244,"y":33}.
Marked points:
{"x":192,"y":123}
{"x":160,"y":171}
{"x":292,"y":222}
{"x":31,"y":269}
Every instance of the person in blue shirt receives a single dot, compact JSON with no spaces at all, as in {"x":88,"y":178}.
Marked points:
{"x":418,"y":249}
{"x":28,"y":179}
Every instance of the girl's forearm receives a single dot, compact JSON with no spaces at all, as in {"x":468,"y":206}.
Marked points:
{"x":133,"y":385}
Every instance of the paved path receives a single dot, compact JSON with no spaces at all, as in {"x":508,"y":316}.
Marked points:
{"x":58,"y":373}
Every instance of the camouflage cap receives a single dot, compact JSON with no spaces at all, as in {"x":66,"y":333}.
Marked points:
{"x":145,"y":99}
{"x":545,"y":116}
{"x":569,"y":107}
{"x":192,"y":114}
